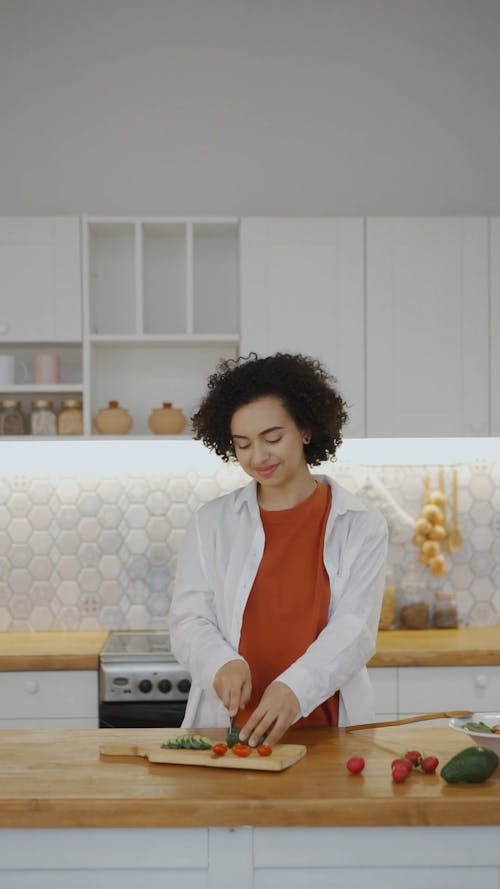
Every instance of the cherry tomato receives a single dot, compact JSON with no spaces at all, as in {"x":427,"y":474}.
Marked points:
{"x":264,"y":750}
{"x":403,"y":764}
{"x":429,"y":764}
{"x":399,"y":773}
{"x":241,"y":749}
{"x":414,"y":756}
{"x":355,"y":764}
{"x":219,"y":749}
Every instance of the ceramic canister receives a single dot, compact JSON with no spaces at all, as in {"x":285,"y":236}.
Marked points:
{"x":166,"y":420}
{"x":46,"y":367}
{"x":113,"y":420}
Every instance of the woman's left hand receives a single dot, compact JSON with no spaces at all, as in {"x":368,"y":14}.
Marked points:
{"x":277,"y":710}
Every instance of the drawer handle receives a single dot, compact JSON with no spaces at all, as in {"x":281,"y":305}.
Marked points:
{"x":481,"y":680}
{"x":32,"y":686}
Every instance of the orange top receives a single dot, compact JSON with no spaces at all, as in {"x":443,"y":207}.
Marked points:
{"x":288,"y":604}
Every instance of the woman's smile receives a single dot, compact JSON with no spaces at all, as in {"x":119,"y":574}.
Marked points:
{"x":266,"y":471}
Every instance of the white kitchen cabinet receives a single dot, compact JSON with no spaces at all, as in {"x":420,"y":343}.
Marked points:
{"x":384,"y":681}
{"x":429,"y":689}
{"x":41,"y":304}
{"x":495,"y":324}
{"x":302,"y":291}
{"x":427,"y":327}
{"x":410,"y":691}
{"x":264,"y":858}
{"x":161,"y":308}
{"x":40,"y":279}
{"x":49,"y":699}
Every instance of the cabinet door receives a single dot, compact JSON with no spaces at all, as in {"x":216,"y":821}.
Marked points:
{"x":427,"y":327}
{"x":40,"y":279}
{"x":429,"y":689}
{"x":495,"y":325}
{"x":302,"y":291}
{"x":385,"y":688}
{"x":47,"y":699}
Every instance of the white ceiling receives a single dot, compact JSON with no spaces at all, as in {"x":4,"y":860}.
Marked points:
{"x":253,"y":107}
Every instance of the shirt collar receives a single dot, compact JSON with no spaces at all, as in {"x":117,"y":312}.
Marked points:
{"x":342,"y":499}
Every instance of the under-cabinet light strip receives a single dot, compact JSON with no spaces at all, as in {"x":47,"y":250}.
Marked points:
{"x":157,"y":455}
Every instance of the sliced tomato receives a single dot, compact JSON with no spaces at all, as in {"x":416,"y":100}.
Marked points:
{"x":219,"y":749}
{"x":264,"y":750}
{"x":241,"y":749}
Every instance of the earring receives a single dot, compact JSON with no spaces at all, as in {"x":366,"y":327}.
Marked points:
{"x":306,"y":439}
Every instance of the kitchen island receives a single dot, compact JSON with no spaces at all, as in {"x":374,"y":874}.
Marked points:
{"x":93,"y":820}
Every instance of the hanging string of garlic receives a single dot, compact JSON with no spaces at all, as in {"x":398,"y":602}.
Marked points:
{"x":431,"y":532}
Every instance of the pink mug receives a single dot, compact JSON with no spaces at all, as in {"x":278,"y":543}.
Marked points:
{"x":46,"y":367}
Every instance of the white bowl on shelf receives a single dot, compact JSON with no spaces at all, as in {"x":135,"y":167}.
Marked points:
{"x":484,"y":739}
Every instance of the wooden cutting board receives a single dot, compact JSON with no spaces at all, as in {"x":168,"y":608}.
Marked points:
{"x":283,"y":756}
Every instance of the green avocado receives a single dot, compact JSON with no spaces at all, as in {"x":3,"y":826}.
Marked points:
{"x":473,"y":765}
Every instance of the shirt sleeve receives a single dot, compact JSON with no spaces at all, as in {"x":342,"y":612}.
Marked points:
{"x":195,"y":636}
{"x":348,"y":641}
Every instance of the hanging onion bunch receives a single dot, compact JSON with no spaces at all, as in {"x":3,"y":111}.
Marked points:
{"x":431,"y":532}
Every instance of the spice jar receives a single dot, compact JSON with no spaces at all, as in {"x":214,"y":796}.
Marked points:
{"x":43,"y":418}
{"x":70,"y":417}
{"x":388,"y":610}
{"x":11,"y":418}
{"x":414,"y":610}
{"x":445,"y":609}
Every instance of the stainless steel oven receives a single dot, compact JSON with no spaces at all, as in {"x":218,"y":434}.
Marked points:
{"x":141,"y":684}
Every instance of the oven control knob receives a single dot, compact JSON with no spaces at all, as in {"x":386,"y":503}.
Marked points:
{"x":145,"y":685}
{"x":184,"y":686}
{"x":165,"y":686}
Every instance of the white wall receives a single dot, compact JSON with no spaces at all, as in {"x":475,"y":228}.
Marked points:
{"x":252,"y":107}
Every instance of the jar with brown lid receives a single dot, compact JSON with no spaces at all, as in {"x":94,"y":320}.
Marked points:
{"x":11,"y":418}
{"x":70,"y":417}
{"x":43,"y":418}
{"x":113,"y":419}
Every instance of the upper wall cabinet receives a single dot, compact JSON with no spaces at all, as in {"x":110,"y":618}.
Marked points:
{"x":495,"y":324}
{"x":40,"y":279}
{"x":161,"y":307}
{"x":302,"y":291}
{"x":427,"y":327}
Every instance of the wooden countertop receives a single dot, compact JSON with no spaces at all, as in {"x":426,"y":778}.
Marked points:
{"x":51,"y":651}
{"x":58,"y":779}
{"x":465,"y":646}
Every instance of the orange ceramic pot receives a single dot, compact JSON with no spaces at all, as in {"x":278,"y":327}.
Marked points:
{"x":166,"y":420}
{"x":113,"y":420}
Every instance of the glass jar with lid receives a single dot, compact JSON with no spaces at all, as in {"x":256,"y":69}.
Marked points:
{"x":414,"y":600}
{"x":43,"y":418}
{"x":70,"y":417}
{"x":445,"y":609}
{"x":12,"y":421}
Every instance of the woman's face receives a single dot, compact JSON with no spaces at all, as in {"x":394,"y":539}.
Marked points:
{"x":268,"y":444}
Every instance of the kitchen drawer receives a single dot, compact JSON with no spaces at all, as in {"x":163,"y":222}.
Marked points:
{"x":385,"y":686}
{"x":425,"y":689}
{"x":68,"y":694}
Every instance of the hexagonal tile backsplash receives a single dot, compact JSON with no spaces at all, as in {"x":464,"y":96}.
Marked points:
{"x":101,"y":553}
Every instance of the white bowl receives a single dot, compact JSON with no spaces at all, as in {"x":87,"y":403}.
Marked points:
{"x":483,"y":739}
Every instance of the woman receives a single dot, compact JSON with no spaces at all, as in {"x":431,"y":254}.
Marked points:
{"x":279,"y":584}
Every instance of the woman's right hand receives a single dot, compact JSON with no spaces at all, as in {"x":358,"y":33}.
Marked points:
{"x":233,"y":685}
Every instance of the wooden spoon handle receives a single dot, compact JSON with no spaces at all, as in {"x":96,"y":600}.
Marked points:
{"x":445,"y":714}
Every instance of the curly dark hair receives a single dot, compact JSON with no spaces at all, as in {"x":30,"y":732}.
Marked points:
{"x":304,"y":386}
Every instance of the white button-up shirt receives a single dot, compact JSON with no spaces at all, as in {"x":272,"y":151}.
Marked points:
{"x":218,"y":562}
